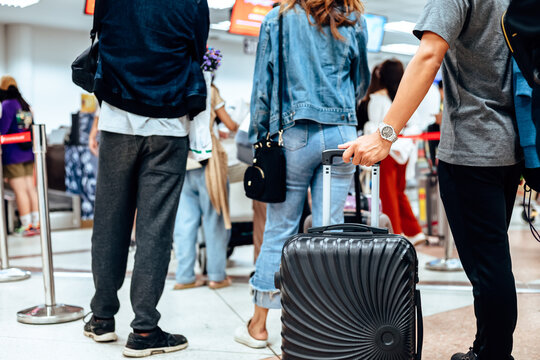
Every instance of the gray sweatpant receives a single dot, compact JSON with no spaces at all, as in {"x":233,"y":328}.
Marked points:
{"x":143,"y":173}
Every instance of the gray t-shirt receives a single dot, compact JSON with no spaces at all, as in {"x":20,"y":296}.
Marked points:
{"x":478,"y":126}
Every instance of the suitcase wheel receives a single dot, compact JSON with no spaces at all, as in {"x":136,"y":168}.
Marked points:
{"x":388,"y":338}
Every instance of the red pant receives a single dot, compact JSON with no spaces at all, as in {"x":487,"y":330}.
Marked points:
{"x":395,"y":203}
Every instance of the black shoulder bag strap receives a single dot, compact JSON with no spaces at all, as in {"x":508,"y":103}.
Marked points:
{"x":280,"y":83}
{"x":281,"y":70}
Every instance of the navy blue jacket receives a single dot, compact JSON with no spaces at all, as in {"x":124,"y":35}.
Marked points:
{"x":150,"y":53}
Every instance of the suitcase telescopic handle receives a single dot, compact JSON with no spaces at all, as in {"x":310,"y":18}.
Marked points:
{"x":329,"y":155}
{"x":349,"y":227}
{"x":327,"y":160}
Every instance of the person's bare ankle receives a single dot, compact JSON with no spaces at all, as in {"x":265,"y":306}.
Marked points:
{"x":257,"y":332}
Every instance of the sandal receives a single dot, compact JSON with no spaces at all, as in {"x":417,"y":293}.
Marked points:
{"x":195,"y":284}
{"x":220,"y":284}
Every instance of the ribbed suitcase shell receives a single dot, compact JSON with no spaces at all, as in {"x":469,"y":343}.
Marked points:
{"x":348,"y":296}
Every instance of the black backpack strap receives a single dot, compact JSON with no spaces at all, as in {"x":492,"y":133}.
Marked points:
{"x":96,"y":24}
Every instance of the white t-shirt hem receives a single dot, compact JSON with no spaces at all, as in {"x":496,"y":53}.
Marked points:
{"x":115,"y":120}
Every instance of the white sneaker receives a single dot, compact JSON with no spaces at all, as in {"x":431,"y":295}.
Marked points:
{"x":242,"y":336}
{"x":418,"y":239}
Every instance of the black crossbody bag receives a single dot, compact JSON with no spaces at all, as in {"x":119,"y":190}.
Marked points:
{"x":265,"y":179}
{"x":84,"y":68}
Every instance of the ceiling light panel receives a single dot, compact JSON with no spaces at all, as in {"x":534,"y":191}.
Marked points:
{"x":403,"y":49}
{"x":18,"y":3}
{"x":223,"y":25}
{"x":400,"y":26}
{"x":220,"y":4}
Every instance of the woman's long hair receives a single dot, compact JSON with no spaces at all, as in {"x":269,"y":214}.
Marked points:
{"x":362,"y":106}
{"x":391,"y":72}
{"x":9,"y":86}
{"x":334,"y":13}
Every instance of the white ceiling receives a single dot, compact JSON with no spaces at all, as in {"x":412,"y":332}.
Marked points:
{"x":68,"y":14}
{"x":65,"y":14}
{"x":396,"y":10}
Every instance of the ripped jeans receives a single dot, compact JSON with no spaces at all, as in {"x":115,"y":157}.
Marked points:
{"x":304,"y":144}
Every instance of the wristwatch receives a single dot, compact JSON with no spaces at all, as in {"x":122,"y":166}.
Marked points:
{"x":387,"y":132}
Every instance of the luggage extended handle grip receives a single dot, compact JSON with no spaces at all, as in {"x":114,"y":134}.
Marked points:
{"x":329,"y":155}
{"x":349,"y":227}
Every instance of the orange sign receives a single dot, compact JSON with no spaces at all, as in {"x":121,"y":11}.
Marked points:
{"x":89,"y":7}
{"x":247,"y":16}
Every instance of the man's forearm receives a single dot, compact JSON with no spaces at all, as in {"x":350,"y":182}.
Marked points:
{"x":416,"y":80}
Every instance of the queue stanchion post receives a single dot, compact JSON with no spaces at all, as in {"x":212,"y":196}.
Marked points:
{"x":448,"y":262}
{"x":7,"y":273}
{"x":50,"y":312}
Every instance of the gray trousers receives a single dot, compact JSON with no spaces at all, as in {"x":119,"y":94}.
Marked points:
{"x":143,"y":173}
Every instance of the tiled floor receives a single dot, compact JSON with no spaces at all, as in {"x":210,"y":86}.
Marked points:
{"x":208,"y":317}
{"x":449,"y":332}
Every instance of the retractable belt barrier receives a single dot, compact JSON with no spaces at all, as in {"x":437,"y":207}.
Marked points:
{"x":50,"y":312}
{"x":427,"y":136}
{"x":16,"y":138}
{"x":8,"y":273}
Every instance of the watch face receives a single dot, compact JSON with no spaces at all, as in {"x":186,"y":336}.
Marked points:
{"x":387,"y":132}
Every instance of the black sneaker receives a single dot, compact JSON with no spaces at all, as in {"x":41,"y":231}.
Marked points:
{"x":158,"y":342}
{"x":100,"y":330}
{"x":468,"y":356}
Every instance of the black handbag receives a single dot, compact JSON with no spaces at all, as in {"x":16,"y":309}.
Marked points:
{"x":84,"y":68}
{"x":265,"y":180}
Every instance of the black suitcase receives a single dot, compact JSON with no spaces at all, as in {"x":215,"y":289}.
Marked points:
{"x":349,"y":295}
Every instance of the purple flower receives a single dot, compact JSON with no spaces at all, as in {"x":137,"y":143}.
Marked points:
{"x":211,"y":60}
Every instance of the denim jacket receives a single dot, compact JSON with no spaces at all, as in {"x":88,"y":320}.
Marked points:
{"x":323,"y":79}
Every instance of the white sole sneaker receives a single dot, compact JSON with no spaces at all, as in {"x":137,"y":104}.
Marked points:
{"x":152,"y":351}
{"x":418,"y":239}
{"x":242,"y":336}
{"x":108,"y":337}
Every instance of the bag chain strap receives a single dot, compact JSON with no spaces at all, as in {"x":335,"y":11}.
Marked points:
{"x":527,"y":210}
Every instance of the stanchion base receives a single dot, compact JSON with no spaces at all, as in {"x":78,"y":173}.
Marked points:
{"x":13,"y":274}
{"x":444,"y":265}
{"x":43,"y":314}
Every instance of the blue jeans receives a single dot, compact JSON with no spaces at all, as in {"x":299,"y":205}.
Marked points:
{"x":304,"y":144}
{"x":195,"y":205}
